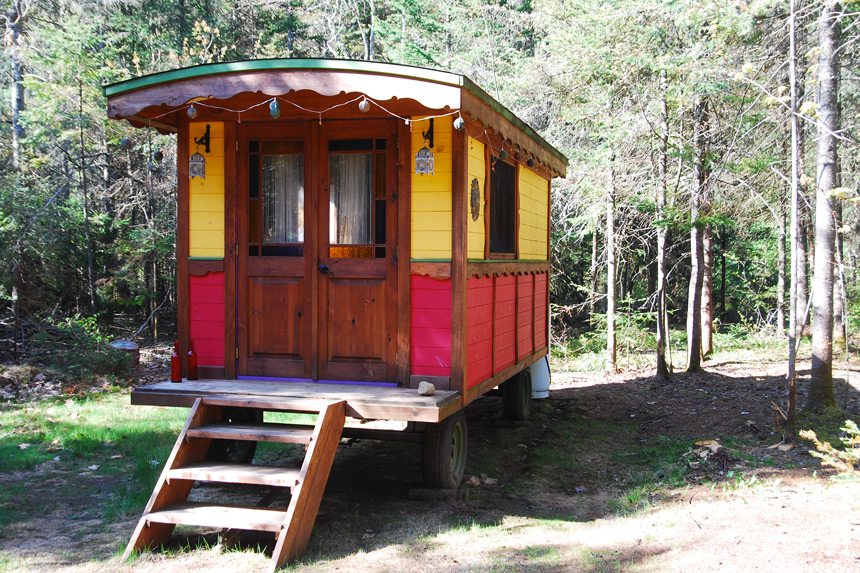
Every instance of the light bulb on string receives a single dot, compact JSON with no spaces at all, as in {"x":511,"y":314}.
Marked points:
{"x":275,"y":109}
{"x":192,"y":112}
{"x":364,"y":106}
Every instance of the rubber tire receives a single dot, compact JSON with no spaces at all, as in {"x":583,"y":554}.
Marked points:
{"x":517,"y":396}
{"x":235,"y":451}
{"x":446,"y":447}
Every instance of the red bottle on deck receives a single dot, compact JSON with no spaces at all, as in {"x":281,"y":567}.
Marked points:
{"x":176,"y":364}
{"x":192,"y":361}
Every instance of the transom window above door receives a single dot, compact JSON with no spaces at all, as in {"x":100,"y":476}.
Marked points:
{"x":276,"y":198}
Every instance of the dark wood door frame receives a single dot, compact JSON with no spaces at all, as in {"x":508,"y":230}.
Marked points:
{"x":322,"y":330}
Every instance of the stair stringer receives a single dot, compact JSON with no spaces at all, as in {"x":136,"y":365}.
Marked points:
{"x":306,"y":497}
{"x":170,"y":492}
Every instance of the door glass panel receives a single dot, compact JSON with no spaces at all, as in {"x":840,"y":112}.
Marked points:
{"x":350,"y":208}
{"x":358,"y":195}
{"x":276,"y":198}
{"x":283,"y":198}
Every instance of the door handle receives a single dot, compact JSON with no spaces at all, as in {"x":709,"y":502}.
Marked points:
{"x":323,"y":268}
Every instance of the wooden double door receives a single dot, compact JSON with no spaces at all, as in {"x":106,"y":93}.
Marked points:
{"x":317,"y":239}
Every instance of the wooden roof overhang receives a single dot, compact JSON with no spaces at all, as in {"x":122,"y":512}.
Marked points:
{"x":227,"y":90}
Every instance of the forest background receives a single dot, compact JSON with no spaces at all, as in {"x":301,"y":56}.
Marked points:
{"x":689,"y":127}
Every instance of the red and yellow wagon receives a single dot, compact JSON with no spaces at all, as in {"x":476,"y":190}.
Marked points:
{"x":346,"y":231}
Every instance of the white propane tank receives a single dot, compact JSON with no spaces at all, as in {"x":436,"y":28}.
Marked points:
{"x":540,"y":378}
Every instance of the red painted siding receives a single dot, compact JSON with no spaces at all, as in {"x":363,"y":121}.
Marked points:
{"x":479,"y":330}
{"x":506,"y":322}
{"x":540,"y":310}
{"x":206,"y":314}
{"x":525,"y":310}
{"x":430,"y":330}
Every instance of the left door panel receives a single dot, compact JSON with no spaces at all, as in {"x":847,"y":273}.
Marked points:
{"x":274,"y":283}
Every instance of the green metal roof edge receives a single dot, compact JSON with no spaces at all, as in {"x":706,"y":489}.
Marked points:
{"x":401,"y":70}
{"x":283,"y":64}
{"x":509,"y":115}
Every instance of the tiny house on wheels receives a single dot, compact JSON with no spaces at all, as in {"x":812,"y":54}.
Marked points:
{"x":346,"y":232}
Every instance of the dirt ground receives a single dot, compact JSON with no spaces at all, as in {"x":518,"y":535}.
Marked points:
{"x":575,"y":489}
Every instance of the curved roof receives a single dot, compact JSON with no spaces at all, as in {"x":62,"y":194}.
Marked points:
{"x":158,"y":99}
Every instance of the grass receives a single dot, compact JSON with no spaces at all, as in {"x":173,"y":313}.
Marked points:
{"x":101,"y":436}
{"x":586,"y":352}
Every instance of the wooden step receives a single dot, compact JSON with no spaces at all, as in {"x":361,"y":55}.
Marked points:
{"x":237,"y":473}
{"x":266,"y":432}
{"x":226,"y":516}
{"x":271,"y":403}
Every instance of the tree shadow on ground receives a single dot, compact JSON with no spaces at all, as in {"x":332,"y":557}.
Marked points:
{"x":591,"y":451}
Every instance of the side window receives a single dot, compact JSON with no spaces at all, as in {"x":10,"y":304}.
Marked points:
{"x":503,"y":209}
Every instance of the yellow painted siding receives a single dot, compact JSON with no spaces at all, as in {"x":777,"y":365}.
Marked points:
{"x":534,"y":215}
{"x":476,"y":171}
{"x":431,"y":194}
{"x":206,"y":196}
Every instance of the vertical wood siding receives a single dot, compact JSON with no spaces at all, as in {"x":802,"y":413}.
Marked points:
{"x":207,"y":318}
{"x":525,"y":315}
{"x":541,"y":310}
{"x":479,"y":330}
{"x":206,"y":196}
{"x":430,"y":329}
{"x":534,"y":215}
{"x":505,"y":322}
{"x":431,"y":194}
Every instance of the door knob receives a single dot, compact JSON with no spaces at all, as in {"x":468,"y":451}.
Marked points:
{"x":324,"y":269}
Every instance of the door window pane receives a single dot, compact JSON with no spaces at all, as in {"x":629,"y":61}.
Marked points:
{"x":350,"y":217}
{"x":283,"y":198}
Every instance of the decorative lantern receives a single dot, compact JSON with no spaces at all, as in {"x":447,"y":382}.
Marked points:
{"x":197,"y":165}
{"x":503,"y":154}
{"x":424,"y":162}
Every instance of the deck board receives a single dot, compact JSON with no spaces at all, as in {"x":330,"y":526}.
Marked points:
{"x":368,"y":402}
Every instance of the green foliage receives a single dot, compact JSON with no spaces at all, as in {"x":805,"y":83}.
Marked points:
{"x":846,"y":460}
{"x":76,"y":348}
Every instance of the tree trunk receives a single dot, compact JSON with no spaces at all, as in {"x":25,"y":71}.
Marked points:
{"x":838,"y":300}
{"x":611,"y":342}
{"x":592,"y":295}
{"x":16,"y":85}
{"x":707,"y":294}
{"x":780,"y":273}
{"x":82,"y":162}
{"x":821,"y":383}
{"x":802,"y":277}
{"x":662,"y":183}
{"x":697,"y":252}
{"x":796,"y":154}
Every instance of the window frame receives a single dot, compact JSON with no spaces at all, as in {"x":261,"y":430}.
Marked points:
{"x":490,"y":159}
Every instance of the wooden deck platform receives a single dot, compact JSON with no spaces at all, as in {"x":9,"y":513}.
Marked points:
{"x":367,"y":402}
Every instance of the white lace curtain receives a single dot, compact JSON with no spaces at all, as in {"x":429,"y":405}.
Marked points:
{"x":283,"y":198}
{"x":351,"y":195}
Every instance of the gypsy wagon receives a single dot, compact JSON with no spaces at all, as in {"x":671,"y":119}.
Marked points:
{"x":346,"y":231}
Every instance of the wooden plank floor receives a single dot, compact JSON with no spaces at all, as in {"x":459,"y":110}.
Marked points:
{"x":369,"y":402}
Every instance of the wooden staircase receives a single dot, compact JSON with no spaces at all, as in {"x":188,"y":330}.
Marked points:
{"x":169,"y":505}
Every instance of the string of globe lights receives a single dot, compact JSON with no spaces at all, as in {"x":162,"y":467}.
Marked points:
{"x":364,"y":103}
